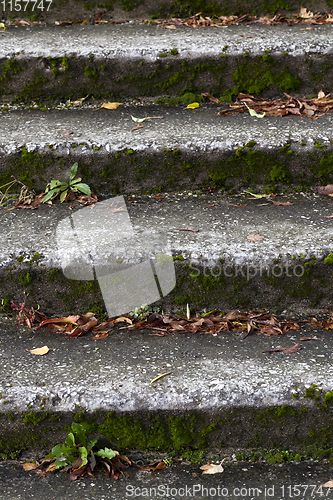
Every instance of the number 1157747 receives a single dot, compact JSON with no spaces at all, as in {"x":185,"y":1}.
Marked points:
{"x":22,"y":5}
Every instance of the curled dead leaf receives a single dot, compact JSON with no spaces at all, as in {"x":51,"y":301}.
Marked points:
{"x":286,"y":350}
{"x":137,"y":127}
{"x":123,"y":319}
{"x":212,"y":469}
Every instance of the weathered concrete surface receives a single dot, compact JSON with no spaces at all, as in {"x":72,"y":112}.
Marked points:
{"x":219,"y":267}
{"x":240,"y":480}
{"x":52,"y":63}
{"x":187,"y":149}
{"x":208,"y":373}
{"x":222,"y":381}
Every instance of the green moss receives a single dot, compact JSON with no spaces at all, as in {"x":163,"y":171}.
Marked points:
{"x":179,"y":257}
{"x":173,"y":52}
{"x":256,"y":75}
{"x":29,"y":90}
{"x":156,"y":433}
{"x":329,"y":259}
{"x":250,"y":144}
{"x":32,"y":418}
{"x":318,"y":145}
{"x":319,"y":75}
{"x":91,"y":73}
{"x":54,"y":274}
{"x":163,"y":54}
{"x":25,"y":280}
{"x":328,"y":399}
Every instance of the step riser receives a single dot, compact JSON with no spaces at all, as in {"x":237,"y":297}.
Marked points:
{"x":189,"y":433}
{"x":301,"y":286}
{"x":63,"y":78}
{"x":134,"y":172}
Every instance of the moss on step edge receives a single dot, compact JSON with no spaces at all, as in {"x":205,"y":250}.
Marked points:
{"x":273,"y":433}
{"x":128,"y":172}
{"x":50,"y":80}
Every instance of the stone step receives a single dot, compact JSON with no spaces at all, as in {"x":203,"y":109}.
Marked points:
{"x":118,"y":62}
{"x":215,"y":264}
{"x":234,"y":397}
{"x":186,"y":149}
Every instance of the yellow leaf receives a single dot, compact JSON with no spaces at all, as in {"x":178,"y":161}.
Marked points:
{"x":111,"y":105}
{"x":2,"y":26}
{"x":40,"y":351}
{"x":122,"y":319}
{"x":138,"y":120}
{"x":254,"y":113}
{"x":193,"y":105}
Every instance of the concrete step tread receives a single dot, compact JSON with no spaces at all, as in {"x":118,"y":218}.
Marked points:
{"x":144,"y":42}
{"x":300,"y":230}
{"x":194,"y":131}
{"x":208,"y":372}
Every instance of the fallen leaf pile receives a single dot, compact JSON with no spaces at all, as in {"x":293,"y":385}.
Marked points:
{"x":201,"y":21}
{"x":299,"y":106}
{"x":259,"y":322}
{"x":250,"y":322}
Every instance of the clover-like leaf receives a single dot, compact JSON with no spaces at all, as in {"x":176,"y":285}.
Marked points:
{"x":106,"y":453}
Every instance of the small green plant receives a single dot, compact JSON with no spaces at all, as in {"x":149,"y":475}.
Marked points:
{"x":55,"y":187}
{"x":77,"y":455}
{"x":143,"y":311}
{"x":75,"y":449}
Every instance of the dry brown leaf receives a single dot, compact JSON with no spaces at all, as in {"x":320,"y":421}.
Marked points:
{"x":30,"y":466}
{"x":212,"y":469}
{"x":189,"y":229}
{"x":101,"y":335}
{"x":210,"y":97}
{"x":325,"y":190}
{"x":110,"y":105}
{"x":123,"y":319}
{"x":329,"y":484}
{"x":325,"y":216}
{"x":137,"y":127}
{"x":286,"y":350}
{"x":40,"y":351}
{"x":238,"y":206}
{"x":255,"y":237}
{"x":158,"y":196}
{"x":282,"y":203}
{"x":321,"y":94}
